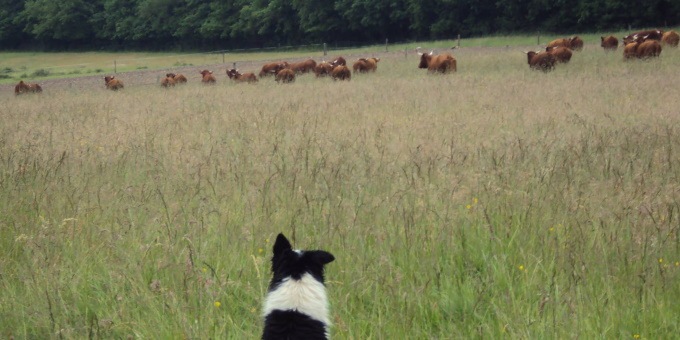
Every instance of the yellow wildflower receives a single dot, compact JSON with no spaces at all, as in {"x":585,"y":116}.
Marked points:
{"x":217,"y":304}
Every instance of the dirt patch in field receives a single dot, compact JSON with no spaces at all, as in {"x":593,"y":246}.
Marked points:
{"x":153,"y":77}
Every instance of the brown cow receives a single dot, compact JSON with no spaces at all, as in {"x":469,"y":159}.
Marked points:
{"x":670,"y":38}
{"x":543,"y":61}
{"x":271,"y":69}
{"x":323,"y":69}
{"x":338,"y":61}
{"x":303,"y":66}
{"x":208,"y":78}
{"x":648,"y":49}
{"x":609,"y":43}
{"x":441,"y":63}
{"x":654,"y":34}
{"x":179,"y":78}
{"x":235,"y":75}
{"x":562,"y":54}
{"x":630,"y":50}
{"x":574,"y":43}
{"x":22,"y":88}
{"x":341,"y":72}
{"x":112,"y":83}
{"x":285,"y":76}
{"x":364,"y":65}
{"x":168,"y":82}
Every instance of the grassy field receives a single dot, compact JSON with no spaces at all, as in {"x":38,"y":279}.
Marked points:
{"x":34,"y":67}
{"x":494,"y":202}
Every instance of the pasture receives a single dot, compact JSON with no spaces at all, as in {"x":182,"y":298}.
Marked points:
{"x":493,"y":202}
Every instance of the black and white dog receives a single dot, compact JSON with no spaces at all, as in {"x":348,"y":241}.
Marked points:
{"x":296,"y":306}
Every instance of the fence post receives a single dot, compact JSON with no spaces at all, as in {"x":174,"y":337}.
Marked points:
{"x":223,"y":57}
{"x":386,"y":41}
{"x":538,"y":38}
{"x":114,"y":67}
{"x":459,"y":40}
{"x":234,"y":65}
{"x":325,"y":50}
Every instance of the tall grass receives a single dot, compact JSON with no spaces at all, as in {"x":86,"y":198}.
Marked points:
{"x":493,"y":202}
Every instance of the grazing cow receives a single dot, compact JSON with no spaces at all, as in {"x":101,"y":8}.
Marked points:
{"x":208,"y":77}
{"x":22,"y":88}
{"x":574,"y":43}
{"x":338,"y":61}
{"x":630,"y":50}
{"x":437,"y":63}
{"x":285,"y":76}
{"x":670,"y":38}
{"x":168,"y":82}
{"x":323,"y":69}
{"x":341,"y":72}
{"x":364,"y":65}
{"x":647,"y":34}
{"x":562,"y":54}
{"x":543,"y":61}
{"x":271,"y":69}
{"x":112,"y":83}
{"x":609,"y":43}
{"x":179,"y":78}
{"x":303,"y":66}
{"x":235,"y":75}
{"x":642,"y":48}
{"x":648,"y":49}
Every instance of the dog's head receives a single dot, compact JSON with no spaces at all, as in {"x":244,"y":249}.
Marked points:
{"x":289,"y":262}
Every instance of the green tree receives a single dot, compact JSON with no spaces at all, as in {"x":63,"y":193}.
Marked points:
{"x":63,"y":20}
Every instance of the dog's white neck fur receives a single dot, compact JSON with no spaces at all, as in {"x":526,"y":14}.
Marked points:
{"x":307,"y":296}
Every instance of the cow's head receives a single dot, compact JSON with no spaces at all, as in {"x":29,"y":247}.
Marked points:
{"x":425,"y":60}
{"x":107,"y":79}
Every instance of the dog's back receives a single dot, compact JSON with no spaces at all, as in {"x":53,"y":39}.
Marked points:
{"x":296,"y":306}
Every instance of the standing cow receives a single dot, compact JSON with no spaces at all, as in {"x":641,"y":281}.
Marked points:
{"x":654,"y":34}
{"x":271,"y":69}
{"x":363,"y":65}
{"x":561,"y":54}
{"x":323,"y":69}
{"x":207,"y":77}
{"x":303,"y":66}
{"x":341,"y":72}
{"x":574,"y":43}
{"x":542,"y":61}
{"x":609,"y":43}
{"x":670,"y":38}
{"x":285,"y":76}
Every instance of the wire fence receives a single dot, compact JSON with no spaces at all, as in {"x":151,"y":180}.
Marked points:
{"x":209,"y":57}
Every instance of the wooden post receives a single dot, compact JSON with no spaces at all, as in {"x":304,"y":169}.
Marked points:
{"x":325,"y":49}
{"x":386,"y":41}
{"x":114,"y":67}
{"x":538,"y":38}
{"x":234,"y":65}
{"x":223,"y":57}
{"x":458,"y":40}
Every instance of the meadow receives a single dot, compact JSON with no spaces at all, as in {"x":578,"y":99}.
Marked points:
{"x":493,"y":202}
{"x":39,"y":66}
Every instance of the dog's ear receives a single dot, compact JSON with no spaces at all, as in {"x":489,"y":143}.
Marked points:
{"x":282,"y":244}
{"x":321,"y":257}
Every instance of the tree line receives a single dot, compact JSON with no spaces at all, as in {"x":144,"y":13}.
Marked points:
{"x":201,"y":24}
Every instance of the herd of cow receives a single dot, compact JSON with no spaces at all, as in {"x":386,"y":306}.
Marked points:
{"x":641,"y":45}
